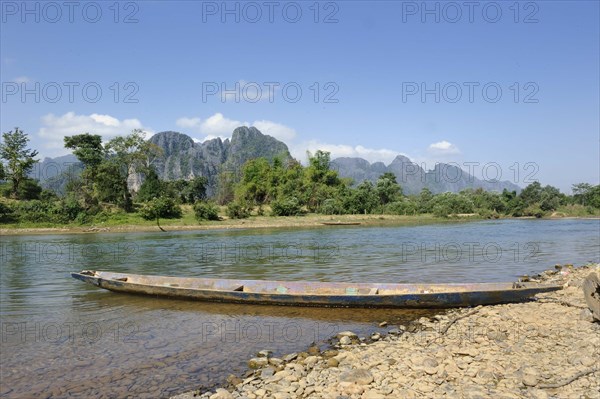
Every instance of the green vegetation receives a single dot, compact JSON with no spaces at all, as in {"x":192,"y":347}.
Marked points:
{"x":206,"y":211}
{"x":102,"y":193}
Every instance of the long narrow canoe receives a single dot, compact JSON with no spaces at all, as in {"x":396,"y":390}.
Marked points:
{"x":302,"y":293}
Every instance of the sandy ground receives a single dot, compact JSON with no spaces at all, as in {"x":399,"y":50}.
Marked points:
{"x":546,"y":348}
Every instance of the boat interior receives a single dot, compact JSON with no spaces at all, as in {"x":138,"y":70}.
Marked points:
{"x":299,"y":287}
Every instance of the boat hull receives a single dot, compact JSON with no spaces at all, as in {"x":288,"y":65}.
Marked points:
{"x":318,"y":294}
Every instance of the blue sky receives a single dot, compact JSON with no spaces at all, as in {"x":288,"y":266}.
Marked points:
{"x":161,"y":66}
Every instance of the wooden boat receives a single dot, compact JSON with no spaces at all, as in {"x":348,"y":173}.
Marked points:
{"x":341,"y":223}
{"x":321,"y":294}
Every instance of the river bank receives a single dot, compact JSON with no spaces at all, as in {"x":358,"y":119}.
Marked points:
{"x":254,"y":222}
{"x":257,"y":222}
{"x":539,"y":349}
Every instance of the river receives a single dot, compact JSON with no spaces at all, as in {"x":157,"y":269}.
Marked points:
{"x":60,"y":337}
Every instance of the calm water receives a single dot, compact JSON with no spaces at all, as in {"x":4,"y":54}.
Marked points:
{"x":63,"y":338}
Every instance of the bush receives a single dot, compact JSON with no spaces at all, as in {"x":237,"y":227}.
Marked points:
{"x":441,"y":210}
{"x":68,"y":209}
{"x":331,"y":207}
{"x":160,"y":208}
{"x":6,"y":213}
{"x":206,"y":211}
{"x":404,"y":207}
{"x":235,"y":210}
{"x":286,"y":207}
{"x":533,"y":210}
{"x":33,"y":211}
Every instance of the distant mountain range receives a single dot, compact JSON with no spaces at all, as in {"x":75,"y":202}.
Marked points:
{"x":186,"y":159}
{"x":413,"y":178}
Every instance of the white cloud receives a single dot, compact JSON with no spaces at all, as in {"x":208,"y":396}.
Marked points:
{"x":443,"y":148}
{"x":55,"y":128}
{"x":342,"y":150}
{"x":218,"y":125}
{"x":22,"y":79}
{"x":276,"y":130}
{"x":188,"y":122}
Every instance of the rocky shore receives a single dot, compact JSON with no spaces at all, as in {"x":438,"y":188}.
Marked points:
{"x":546,"y":348}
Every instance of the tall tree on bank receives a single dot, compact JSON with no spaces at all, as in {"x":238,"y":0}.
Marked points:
{"x":90,"y":152}
{"x":108,"y":167}
{"x":20,"y":159}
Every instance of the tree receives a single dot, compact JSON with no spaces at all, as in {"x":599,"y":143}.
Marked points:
{"x":425,"y":201}
{"x":126,"y":155}
{"x":321,"y":182}
{"x":254,"y":187}
{"x":551,"y":198}
{"x":90,"y":152}
{"x":196,"y":189}
{"x":151,"y":187}
{"x":111,"y":185}
{"x":388,"y":188}
{"x":160,"y":208}
{"x":29,"y":189}
{"x":225,"y":187}
{"x":2,"y":173}
{"x":133,"y":152}
{"x":20,"y":159}
{"x":87,"y":148}
{"x":581,"y":193}
{"x":531,"y":194}
{"x":364,"y":198}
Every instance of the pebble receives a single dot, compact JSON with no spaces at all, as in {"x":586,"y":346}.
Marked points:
{"x":221,"y":394}
{"x":586,"y":315}
{"x":530,"y":380}
{"x":357,"y":376}
{"x":290,"y":357}
{"x":264,"y":353}
{"x":267,"y":372}
{"x":505,"y":351}
{"x":313,"y":350}
{"x":257,"y":362}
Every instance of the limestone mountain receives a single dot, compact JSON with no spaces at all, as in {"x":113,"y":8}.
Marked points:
{"x":185,"y":159}
{"x":413,"y":178}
